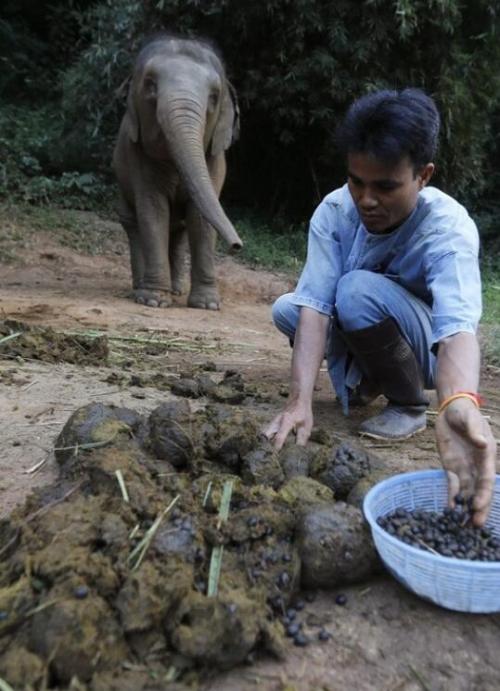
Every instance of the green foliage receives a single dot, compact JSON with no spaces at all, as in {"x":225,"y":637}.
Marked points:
{"x":29,"y":142}
{"x":296,"y":66}
{"x":281,"y":247}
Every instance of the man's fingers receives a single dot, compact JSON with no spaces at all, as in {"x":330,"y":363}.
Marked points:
{"x":474,"y":430}
{"x":463,"y":471}
{"x":270,"y":430}
{"x":485,"y":482}
{"x":281,"y":436}
{"x":453,"y":487}
{"x":303,"y":434}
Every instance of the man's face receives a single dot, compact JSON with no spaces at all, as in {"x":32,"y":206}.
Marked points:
{"x":385,"y":194}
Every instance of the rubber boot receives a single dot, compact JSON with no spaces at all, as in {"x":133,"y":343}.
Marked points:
{"x":365,"y":393}
{"x":386,"y":359}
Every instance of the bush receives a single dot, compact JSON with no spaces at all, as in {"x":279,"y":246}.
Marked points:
{"x":29,"y":141}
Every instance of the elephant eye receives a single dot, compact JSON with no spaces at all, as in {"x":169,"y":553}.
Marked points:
{"x":213,"y":99}
{"x":150,"y":86}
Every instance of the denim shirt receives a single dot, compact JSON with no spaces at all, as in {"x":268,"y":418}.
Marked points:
{"x":433,"y":254}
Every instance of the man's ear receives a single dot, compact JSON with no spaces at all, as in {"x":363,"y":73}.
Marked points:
{"x":425,"y":174}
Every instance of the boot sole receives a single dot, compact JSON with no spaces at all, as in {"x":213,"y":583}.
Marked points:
{"x":374,"y":435}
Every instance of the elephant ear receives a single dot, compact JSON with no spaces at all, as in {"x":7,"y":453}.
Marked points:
{"x":131,"y":118}
{"x":227,"y":128}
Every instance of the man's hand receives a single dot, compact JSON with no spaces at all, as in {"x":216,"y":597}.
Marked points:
{"x":296,"y":417}
{"x":468,"y":453}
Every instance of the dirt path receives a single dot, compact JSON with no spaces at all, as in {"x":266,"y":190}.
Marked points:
{"x":384,"y":638}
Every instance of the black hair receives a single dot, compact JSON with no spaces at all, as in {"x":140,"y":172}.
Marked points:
{"x":390,"y":125}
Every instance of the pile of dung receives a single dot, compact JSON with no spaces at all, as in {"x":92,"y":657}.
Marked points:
{"x":204,"y":381}
{"x":169,"y":547}
{"x":43,"y":343}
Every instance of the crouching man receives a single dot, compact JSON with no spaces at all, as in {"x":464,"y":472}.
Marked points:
{"x":391,"y":293}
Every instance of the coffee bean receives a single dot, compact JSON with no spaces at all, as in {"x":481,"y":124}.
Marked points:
{"x":81,"y":592}
{"x":450,"y":532}
{"x":301,"y":640}
{"x":293,"y":629}
{"x":283,"y":579}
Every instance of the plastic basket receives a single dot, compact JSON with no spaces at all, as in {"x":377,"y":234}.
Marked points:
{"x":459,"y":584}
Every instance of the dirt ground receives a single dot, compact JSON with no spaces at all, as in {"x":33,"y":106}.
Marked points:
{"x":384,"y":638}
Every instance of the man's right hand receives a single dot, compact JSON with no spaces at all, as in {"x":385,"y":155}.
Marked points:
{"x":308,"y":352}
{"x":298,"y":418}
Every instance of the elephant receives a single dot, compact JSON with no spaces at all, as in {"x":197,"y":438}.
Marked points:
{"x":169,"y":160}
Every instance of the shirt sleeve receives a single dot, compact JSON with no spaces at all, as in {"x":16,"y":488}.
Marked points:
{"x":318,"y":282}
{"x":455,"y":282}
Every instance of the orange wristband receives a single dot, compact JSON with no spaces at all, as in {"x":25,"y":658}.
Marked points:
{"x":475,"y":397}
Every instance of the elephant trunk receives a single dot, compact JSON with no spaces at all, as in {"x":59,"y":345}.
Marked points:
{"x":181,"y":122}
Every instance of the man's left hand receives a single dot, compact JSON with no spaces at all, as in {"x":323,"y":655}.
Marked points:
{"x":467,"y":449}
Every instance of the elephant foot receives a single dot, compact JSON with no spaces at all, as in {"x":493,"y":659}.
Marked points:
{"x":176,"y":287}
{"x":204,"y":298}
{"x":152,"y":298}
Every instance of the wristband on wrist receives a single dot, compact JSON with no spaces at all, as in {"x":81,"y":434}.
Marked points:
{"x":474,"y":397}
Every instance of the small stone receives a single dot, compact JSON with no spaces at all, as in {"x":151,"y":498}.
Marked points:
{"x":341,"y":599}
{"x":291,"y":613}
{"x":299,"y":605}
{"x":323,"y":635}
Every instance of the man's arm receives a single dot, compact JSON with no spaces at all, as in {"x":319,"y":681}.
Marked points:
{"x":308,"y":353}
{"x":465,"y":442}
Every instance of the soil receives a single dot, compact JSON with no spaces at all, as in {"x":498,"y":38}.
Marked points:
{"x":232,"y":361}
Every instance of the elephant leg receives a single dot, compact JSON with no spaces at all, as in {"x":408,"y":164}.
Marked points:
{"x":153,"y":219}
{"x":202,"y":240}
{"x":178,"y":252}
{"x":128,"y":219}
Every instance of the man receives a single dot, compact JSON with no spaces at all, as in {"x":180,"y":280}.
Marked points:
{"x":391,"y":293}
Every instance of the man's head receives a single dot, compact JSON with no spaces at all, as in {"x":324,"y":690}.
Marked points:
{"x":389,"y":139}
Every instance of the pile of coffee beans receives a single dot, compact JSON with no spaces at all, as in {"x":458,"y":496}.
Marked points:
{"x":449,"y":533}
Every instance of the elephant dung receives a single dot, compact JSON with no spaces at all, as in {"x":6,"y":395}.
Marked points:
{"x":170,"y":433}
{"x":304,"y":491}
{"x":295,"y":460}
{"x":229,"y":436}
{"x":45,"y":344}
{"x":78,"y":636}
{"x":93,"y":426}
{"x":216,"y":631}
{"x":363,"y":486}
{"x":335,"y":546}
{"x":149,"y":595}
{"x":23,"y":669}
{"x":261,"y":466}
{"x":348,"y":464}
{"x":189,"y":388}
